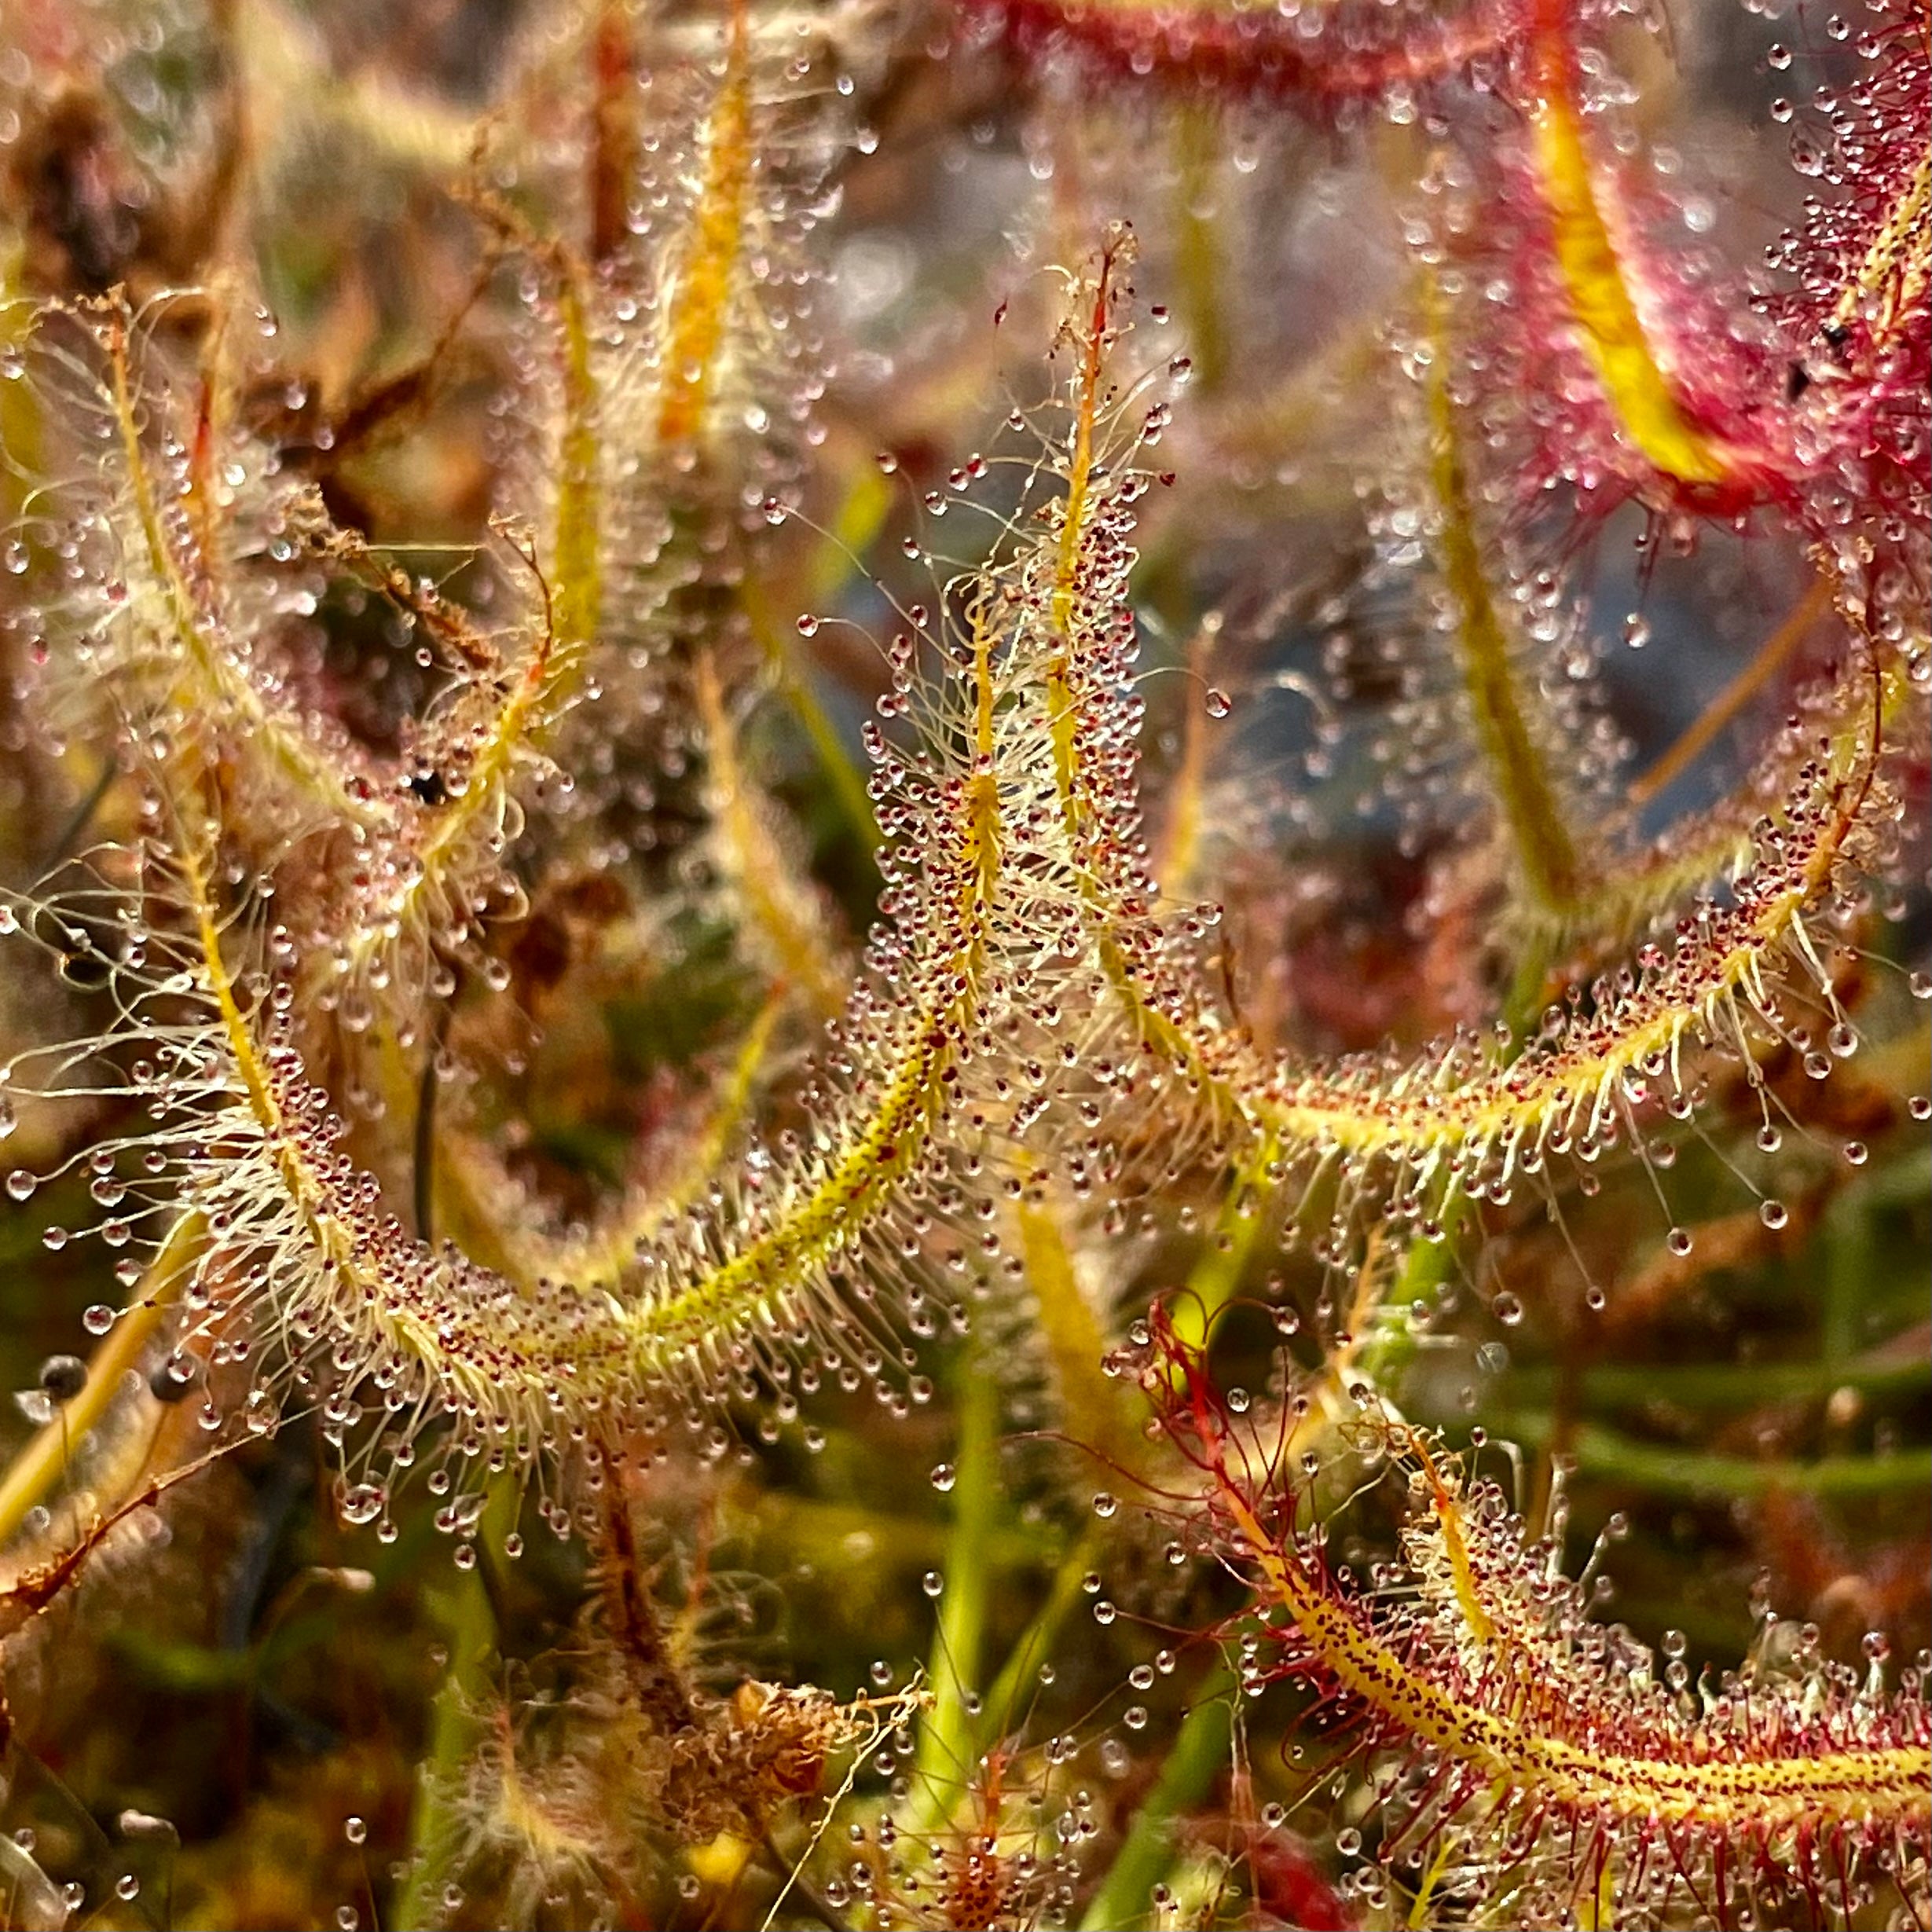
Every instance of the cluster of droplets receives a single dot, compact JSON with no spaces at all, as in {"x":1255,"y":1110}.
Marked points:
{"x":772,"y":1280}
{"x":1012,"y":818}
{"x":1622,"y":360}
{"x":1028,"y":986}
{"x":1857,"y":314}
{"x":1006,"y":1845}
{"x":1486,"y":1705}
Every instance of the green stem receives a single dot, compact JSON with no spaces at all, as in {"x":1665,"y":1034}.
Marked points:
{"x":457,"y":1725}
{"x":848,"y":786}
{"x":1850,"y":1266}
{"x":809,"y":1523}
{"x":1035,"y":1645}
{"x":1527,"y":794}
{"x":1199,"y":261}
{"x":1726,"y":1385}
{"x":1217,"y":1273}
{"x":947,"y":1740}
{"x":1200,"y":1750}
{"x":1669,"y":1469}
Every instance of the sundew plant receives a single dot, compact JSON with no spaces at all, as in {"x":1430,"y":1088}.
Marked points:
{"x":964,"y":964}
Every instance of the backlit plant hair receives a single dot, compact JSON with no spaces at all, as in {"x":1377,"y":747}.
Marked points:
{"x":1492,"y":1711}
{"x":486,"y":1018}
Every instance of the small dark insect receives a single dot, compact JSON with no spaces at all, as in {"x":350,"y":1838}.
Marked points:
{"x":428,"y":788}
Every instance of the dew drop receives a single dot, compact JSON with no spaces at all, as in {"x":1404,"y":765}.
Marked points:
{"x":943,"y":1476}
{"x":1217,"y":701}
{"x":1773,"y":1214}
{"x":63,"y":1377}
{"x":362,"y":1504}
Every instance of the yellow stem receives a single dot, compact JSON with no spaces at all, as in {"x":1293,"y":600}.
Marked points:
{"x":1609,"y":325}
{"x":1156,"y":1028}
{"x":1522,"y":1102}
{"x":233,"y":690}
{"x":1534,"y":1769}
{"x":1891,"y":280}
{"x":779,"y":907}
{"x":1735,"y":695}
{"x":40,"y":1463}
{"x":886,"y":1149}
{"x":702,"y":298}
{"x":572,"y":607}
{"x":1531,"y":806}
{"x":601,"y":1259}
{"x":1091,"y":1410}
